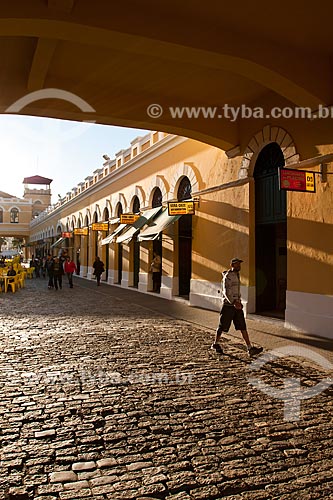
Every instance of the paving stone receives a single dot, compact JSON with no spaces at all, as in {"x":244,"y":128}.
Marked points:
{"x":62,"y":477}
{"x":83,"y":466}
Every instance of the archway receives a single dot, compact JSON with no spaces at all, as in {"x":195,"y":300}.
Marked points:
{"x":105,"y":248}
{"x":136,"y":246}
{"x":184,"y":241}
{"x":270,"y":233}
{"x":119,"y":249}
{"x":157,"y":244}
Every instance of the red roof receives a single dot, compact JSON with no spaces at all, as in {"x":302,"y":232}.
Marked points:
{"x":37,"y":179}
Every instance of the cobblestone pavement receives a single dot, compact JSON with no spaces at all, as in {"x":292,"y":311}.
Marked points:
{"x":105,"y":398}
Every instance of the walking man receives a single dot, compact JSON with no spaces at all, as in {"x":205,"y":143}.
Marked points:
{"x":98,"y":266}
{"x":69,"y":269}
{"x":58,"y":271}
{"x":232,"y":309}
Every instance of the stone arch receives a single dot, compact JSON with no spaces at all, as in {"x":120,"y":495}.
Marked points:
{"x":140,"y":193}
{"x":80,"y":220}
{"x":261,"y":139}
{"x":161,"y":183}
{"x":88,"y":216}
{"x":132,"y":203}
{"x":122,"y":200}
{"x":106,"y":214}
{"x":185,"y":170}
{"x":98,"y":211}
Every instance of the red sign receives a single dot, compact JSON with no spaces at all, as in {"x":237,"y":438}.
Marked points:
{"x":297,"y":180}
{"x":66,"y":235}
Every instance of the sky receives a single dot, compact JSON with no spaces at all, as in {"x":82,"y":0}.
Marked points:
{"x":64,"y":151}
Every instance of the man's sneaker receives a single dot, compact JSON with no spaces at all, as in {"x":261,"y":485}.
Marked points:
{"x":254,"y":351}
{"x":217,"y":348}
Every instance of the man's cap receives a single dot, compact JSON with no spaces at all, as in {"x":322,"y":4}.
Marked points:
{"x":235,"y":259}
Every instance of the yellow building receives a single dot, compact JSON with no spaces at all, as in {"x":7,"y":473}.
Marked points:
{"x":16,"y":213}
{"x":284,"y":237}
{"x":256,"y":85}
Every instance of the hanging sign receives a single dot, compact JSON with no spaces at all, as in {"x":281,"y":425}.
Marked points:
{"x":66,"y":235}
{"x":181,"y":208}
{"x":297,"y":180}
{"x":100,"y":226}
{"x":128,"y":218}
{"x":83,"y":231}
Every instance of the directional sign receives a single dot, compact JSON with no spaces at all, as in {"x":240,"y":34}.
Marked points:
{"x":100,"y":226}
{"x":128,"y":218}
{"x":181,"y":208}
{"x":297,"y":180}
{"x":83,"y":231}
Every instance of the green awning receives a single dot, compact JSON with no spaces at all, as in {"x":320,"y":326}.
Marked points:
{"x":133,"y":229}
{"x":157,"y":226}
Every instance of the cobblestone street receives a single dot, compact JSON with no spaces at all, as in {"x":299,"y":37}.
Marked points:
{"x":106,"y":397}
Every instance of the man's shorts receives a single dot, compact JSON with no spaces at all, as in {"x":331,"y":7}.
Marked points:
{"x":229,"y":314}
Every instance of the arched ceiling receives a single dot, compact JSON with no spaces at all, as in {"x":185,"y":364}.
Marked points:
{"x":120,"y":57}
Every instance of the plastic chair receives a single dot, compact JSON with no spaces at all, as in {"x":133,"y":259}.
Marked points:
{"x":13,"y":284}
{"x":20,"y":280}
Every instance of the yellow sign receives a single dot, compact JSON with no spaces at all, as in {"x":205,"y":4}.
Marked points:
{"x":83,"y":231}
{"x":128,"y":218}
{"x":181,"y":208}
{"x":100,"y":226}
{"x":310,"y":182}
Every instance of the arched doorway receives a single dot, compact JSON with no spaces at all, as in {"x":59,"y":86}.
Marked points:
{"x":270,"y":233}
{"x":105,"y":250}
{"x":136,"y":246}
{"x":95,"y":237}
{"x":86,"y":263}
{"x":157,"y":244}
{"x":184,"y":241}
{"x":119,"y":249}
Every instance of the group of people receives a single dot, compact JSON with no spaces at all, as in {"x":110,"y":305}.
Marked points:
{"x":56,"y":268}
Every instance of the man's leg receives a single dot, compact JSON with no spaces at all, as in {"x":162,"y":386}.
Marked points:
{"x":223,"y":326}
{"x":240,"y":324}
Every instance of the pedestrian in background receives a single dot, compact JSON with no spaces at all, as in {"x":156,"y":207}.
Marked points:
{"x":49,"y":269}
{"x":98,"y":266}
{"x":232,"y":309}
{"x":58,"y":272}
{"x":69,"y":269}
{"x":156,"y":268}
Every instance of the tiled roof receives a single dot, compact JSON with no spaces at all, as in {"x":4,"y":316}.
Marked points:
{"x":37,"y":179}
